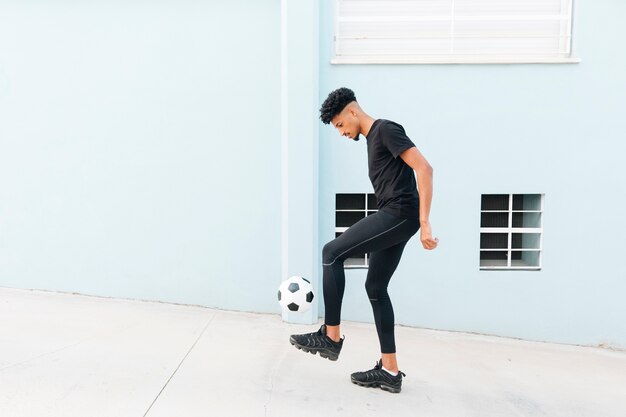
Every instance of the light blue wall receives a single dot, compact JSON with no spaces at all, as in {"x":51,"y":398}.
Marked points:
{"x":140,"y":149}
{"x":141,"y":152}
{"x":553,"y":129}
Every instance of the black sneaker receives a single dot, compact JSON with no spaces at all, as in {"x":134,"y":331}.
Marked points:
{"x":318,"y":342}
{"x":378,"y":377}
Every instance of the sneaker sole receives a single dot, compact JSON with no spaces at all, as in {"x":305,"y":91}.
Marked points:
{"x":323,"y":353}
{"x":384,"y":387}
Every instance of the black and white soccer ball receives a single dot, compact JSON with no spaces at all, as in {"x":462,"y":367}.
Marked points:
{"x":296,"y":294}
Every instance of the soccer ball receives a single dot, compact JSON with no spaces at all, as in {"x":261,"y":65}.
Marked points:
{"x":295,"y":294}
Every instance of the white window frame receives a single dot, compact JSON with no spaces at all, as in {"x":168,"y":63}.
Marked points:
{"x":564,"y":56}
{"x":367,"y":210}
{"x":510,"y":230}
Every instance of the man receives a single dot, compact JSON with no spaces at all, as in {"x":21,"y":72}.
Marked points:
{"x":393,"y":162}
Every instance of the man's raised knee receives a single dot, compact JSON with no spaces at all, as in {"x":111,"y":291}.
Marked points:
{"x":328,"y":255}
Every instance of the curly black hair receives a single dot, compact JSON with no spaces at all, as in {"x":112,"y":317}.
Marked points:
{"x":335,"y":103}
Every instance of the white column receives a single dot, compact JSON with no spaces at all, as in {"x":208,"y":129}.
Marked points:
{"x":299,"y":134}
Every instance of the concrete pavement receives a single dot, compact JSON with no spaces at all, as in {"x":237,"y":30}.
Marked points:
{"x":69,"y":355}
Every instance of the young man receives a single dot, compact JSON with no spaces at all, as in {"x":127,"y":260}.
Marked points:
{"x":393,"y":162}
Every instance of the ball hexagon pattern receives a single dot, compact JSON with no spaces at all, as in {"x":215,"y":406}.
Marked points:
{"x":296,"y":294}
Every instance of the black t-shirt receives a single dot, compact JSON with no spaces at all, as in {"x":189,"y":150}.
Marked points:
{"x":393,"y":180}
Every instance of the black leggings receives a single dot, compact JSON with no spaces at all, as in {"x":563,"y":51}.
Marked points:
{"x":384,"y":237}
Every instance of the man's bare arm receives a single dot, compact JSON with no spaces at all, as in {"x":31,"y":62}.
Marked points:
{"x":424,"y":172}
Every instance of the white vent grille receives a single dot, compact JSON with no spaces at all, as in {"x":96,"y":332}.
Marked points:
{"x":349,"y":209}
{"x":511,"y":231}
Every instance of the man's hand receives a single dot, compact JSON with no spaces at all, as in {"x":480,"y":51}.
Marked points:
{"x":426,"y":236}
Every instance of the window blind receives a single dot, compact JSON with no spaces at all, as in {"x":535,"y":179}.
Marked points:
{"x":452,"y":31}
